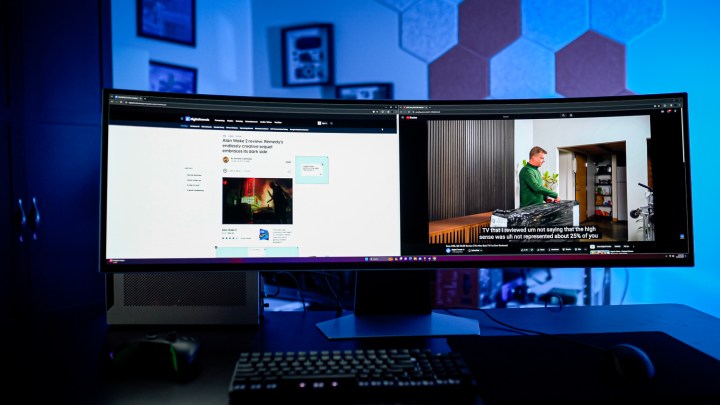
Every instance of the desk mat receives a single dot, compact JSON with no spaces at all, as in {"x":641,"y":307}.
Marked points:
{"x":533,"y":367}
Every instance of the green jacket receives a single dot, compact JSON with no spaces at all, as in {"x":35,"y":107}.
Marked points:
{"x":532,"y":191}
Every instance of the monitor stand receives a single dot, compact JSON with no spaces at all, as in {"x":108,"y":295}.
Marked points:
{"x":395,"y":303}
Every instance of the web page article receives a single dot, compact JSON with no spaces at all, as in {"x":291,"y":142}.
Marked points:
{"x":319,"y":194}
{"x":252,"y":193}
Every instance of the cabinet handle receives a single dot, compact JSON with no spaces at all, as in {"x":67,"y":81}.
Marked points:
{"x":35,"y":214}
{"x":20,"y":220}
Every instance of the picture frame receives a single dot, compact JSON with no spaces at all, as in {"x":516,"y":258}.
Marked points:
{"x":365,"y":91}
{"x":167,"y":20}
{"x":307,"y":55}
{"x":166,"y":77}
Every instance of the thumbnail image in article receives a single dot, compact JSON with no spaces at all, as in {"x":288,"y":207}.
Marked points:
{"x":588,"y":186}
{"x":252,"y":200}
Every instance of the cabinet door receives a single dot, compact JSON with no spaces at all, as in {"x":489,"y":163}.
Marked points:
{"x":7,"y":229}
{"x":61,"y":102}
{"x":13,"y":312}
{"x":8,"y":213}
{"x":51,"y":116}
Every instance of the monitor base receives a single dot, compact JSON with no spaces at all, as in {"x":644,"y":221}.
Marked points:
{"x":369,"y":326}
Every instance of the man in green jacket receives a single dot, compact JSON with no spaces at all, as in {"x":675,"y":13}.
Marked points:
{"x":532,"y":191}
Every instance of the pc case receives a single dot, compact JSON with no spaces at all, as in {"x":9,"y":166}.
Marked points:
{"x":184,"y":298}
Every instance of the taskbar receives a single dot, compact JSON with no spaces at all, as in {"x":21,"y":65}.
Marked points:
{"x":565,"y":254}
{"x":494,"y":249}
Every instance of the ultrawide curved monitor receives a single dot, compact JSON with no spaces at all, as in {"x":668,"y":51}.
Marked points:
{"x":202,"y":182}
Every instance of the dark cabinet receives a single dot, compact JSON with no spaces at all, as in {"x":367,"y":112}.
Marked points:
{"x":54,"y":69}
{"x":8,"y":306}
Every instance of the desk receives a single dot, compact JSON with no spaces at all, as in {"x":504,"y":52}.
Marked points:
{"x":74,"y":349}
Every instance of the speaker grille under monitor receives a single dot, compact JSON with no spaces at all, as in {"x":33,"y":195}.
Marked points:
{"x":194,"y":298}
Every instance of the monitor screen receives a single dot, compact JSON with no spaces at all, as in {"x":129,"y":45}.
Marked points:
{"x":202,"y":182}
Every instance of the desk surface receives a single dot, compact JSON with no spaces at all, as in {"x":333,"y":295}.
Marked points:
{"x":75,"y":349}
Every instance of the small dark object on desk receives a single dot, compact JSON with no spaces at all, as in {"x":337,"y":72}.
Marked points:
{"x":163,"y":355}
{"x":632,"y":363}
{"x":578,"y":368}
{"x":568,"y":296}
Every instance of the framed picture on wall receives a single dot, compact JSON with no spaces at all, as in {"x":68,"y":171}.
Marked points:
{"x":172,"y":78}
{"x":365,"y":91}
{"x":167,"y":20}
{"x":307,"y":55}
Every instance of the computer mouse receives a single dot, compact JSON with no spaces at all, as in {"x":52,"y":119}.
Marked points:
{"x":164,"y":355}
{"x":632,"y":363}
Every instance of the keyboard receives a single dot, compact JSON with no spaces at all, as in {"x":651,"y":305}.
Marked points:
{"x":352,"y":376}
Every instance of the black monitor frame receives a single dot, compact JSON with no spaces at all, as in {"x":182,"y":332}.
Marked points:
{"x":668,"y":116}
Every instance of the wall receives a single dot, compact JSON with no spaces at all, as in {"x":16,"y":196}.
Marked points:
{"x":676,"y":55}
{"x":238,"y":47}
{"x":478,"y":49}
{"x":366,"y":46}
{"x":633,"y":130}
{"x":221,"y":54}
{"x":523,"y":144}
{"x":566,"y":184}
{"x":553,"y":135}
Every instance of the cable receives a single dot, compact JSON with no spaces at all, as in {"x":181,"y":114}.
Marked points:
{"x":549,"y":297}
{"x":277,"y":286}
{"x":325,"y":275}
{"x":336,"y":295}
{"x":517,"y":329}
{"x":297,"y":284}
{"x":509,"y":328}
{"x":300,"y":291}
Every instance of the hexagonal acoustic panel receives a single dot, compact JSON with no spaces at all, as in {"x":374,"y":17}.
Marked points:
{"x":487,"y":26}
{"x":524,"y":48}
{"x":459,"y":74}
{"x":624,"y":20}
{"x":592,"y":65}
{"x":429,"y":28}
{"x":554,"y":23}
{"x":523,"y":70}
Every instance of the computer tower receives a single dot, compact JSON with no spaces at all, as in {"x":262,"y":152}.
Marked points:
{"x":184,"y":298}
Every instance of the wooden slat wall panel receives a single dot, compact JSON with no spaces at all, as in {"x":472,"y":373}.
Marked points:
{"x":470,"y":168}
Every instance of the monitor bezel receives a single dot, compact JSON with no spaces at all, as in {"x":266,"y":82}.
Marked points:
{"x":514,"y":261}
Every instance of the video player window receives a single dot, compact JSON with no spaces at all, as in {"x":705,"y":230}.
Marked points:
{"x":567,"y":182}
{"x":487,"y":158}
